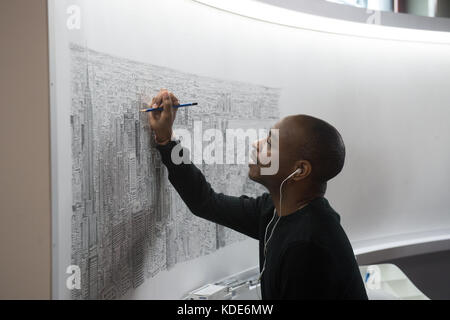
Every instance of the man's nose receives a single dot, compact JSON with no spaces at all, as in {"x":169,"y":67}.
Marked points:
{"x":256,"y":145}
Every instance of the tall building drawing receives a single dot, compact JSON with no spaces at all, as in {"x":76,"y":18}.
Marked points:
{"x":128,"y":222}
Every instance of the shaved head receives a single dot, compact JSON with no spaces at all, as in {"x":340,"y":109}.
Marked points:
{"x":306,"y":143}
{"x":318,"y":142}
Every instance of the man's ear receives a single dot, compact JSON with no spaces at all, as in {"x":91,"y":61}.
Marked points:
{"x":303,"y":168}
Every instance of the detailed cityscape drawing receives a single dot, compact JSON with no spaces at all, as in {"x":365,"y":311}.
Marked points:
{"x":128,"y":222}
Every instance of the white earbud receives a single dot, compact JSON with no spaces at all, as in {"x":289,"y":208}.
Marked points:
{"x":299,"y":170}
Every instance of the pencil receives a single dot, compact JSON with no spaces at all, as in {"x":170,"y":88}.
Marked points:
{"x":161,"y":108}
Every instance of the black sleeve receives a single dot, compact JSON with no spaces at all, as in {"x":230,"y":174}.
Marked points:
{"x":238,"y":213}
{"x":306,"y":273}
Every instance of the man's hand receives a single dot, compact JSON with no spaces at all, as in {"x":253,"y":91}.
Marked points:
{"x":162,"y":121}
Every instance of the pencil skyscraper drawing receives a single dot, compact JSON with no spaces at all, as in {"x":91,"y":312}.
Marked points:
{"x":128,"y":222}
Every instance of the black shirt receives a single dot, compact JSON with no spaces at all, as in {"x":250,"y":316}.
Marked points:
{"x":309,"y":255}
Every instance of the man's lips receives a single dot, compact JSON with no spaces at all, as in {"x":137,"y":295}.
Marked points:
{"x":254,"y":160}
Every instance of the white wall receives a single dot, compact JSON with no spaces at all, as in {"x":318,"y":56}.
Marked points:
{"x":388,"y":98}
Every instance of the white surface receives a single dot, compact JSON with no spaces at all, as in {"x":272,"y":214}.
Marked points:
{"x":388,"y":98}
{"x":209,"y":290}
{"x":281,"y":16}
{"x":400,"y":240}
{"x":393,"y":285}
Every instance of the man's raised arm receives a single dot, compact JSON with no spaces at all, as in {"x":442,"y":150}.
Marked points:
{"x":238,"y":213}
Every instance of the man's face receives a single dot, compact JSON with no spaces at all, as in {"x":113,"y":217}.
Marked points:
{"x":262,"y":153}
{"x":270,"y":161}
{"x":281,"y":146}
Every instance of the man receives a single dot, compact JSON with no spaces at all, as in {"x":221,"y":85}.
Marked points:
{"x":304,"y":252}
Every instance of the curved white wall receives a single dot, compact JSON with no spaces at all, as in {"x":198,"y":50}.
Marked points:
{"x":389,"y":99}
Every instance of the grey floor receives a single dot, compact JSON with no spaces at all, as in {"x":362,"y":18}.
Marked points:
{"x":429,"y":272}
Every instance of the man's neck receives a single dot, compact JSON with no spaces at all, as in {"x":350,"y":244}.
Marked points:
{"x":292,"y":200}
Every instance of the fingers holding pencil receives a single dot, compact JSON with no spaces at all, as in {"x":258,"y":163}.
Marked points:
{"x":162,"y":116}
{"x":167,"y":105}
